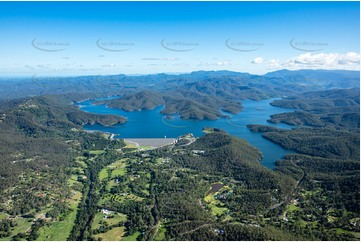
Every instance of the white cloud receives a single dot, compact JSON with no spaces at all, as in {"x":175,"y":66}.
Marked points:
{"x":215,"y":63}
{"x":258,"y":60}
{"x":350,"y":60}
{"x":274,"y":63}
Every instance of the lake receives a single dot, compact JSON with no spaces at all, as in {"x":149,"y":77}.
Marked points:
{"x":153,"y":124}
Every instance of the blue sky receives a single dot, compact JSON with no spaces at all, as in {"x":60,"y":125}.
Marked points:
{"x":83,"y":38}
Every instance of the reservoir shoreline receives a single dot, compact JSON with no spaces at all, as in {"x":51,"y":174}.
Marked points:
{"x":147,"y":124}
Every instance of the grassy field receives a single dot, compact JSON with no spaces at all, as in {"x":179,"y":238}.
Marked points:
{"x":98,"y":217}
{"x":119,"y":198}
{"x":80,"y":161}
{"x":214,"y":205}
{"x":209,"y":198}
{"x":341,"y":231}
{"x":161,"y":233}
{"x":73,"y":179}
{"x":22,"y":227}
{"x":134,"y":197}
{"x":292,"y":208}
{"x":110,"y":184}
{"x":119,"y":168}
{"x":114,"y":234}
{"x":117,"y":217}
{"x":60,"y":230}
{"x":308,"y":194}
{"x":103,"y":174}
{"x":119,"y":171}
{"x":146,"y":192}
{"x":132,"y":237}
{"x":217,"y":211}
{"x":227,"y":218}
{"x":3,"y":215}
{"x":96,"y":152}
{"x":129,"y":145}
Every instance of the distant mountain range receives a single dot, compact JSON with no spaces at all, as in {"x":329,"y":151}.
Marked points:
{"x":226,"y":83}
{"x":325,"y":78}
{"x":196,"y":95}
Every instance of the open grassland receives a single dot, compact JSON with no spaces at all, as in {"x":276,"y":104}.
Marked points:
{"x":132,"y":237}
{"x":114,"y":234}
{"x":214,"y":205}
{"x":111,"y":219}
{"x":118,"y":168}
{"x":22,"y":226}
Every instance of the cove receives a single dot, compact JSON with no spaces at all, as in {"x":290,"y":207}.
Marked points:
{"x":153,"y":124}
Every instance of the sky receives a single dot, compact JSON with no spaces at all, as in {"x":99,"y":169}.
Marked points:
{"x":105,"y":38}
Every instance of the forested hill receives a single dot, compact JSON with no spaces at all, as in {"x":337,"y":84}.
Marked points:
{"x":202,"y":94}
{"x":37,"y":131}
{"x":225,"y":84}
{"x":327,"y":166}
{"x":336,"y":108}
{"x":327,"y":169}
{"x":328,"y":79}
{"x":226,"y":155}
{"x":196,"y":95}
{"x":135,"y":102}
{"x":318,"y":101}
{"x":188,"y":104}
{"x":43,"y":114}
{"x":327,"y":143}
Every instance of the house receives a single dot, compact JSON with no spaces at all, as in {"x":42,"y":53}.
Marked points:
{"x":106,"y":211}
{"x":219,"y":231}
{"x":198,"y":151}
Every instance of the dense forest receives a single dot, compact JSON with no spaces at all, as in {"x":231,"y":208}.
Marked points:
{"x":338,"y":109}
{"x":189,"y":105}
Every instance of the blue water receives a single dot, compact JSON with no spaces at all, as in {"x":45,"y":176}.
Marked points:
{"x":153,"y":124}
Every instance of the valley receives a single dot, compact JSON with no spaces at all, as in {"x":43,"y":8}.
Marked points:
{"x":247,"y":170}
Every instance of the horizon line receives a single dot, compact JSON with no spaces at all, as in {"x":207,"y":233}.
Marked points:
{"x":169,"y":73}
